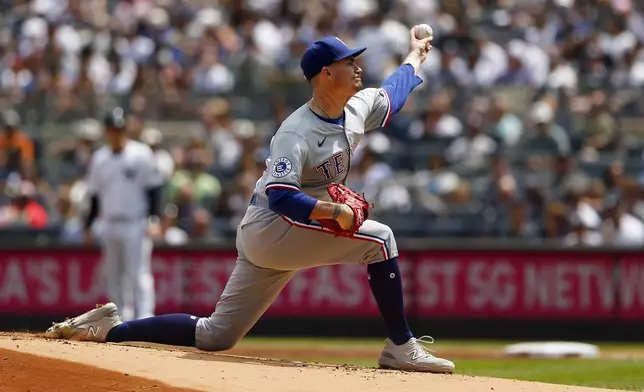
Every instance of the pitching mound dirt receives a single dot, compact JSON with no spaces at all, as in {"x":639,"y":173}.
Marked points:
{"x":21,"y":372}
{"x":102,"y":367}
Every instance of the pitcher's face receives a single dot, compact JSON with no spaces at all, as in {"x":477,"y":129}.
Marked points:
{"x":346,"y":76}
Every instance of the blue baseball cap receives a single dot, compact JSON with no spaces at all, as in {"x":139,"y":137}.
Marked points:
{"x":325,"y":52}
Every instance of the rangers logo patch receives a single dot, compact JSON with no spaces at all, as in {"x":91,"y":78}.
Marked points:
{"x":281,"y":167}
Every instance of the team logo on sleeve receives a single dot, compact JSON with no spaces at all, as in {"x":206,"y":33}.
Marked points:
{"x":281,"y":167}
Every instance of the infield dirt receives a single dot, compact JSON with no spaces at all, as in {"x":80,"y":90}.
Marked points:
{"x":31,"y":363}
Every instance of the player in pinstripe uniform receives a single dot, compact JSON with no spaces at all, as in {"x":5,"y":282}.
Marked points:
{"x":279,"y":234}
{"x":125,"y":190}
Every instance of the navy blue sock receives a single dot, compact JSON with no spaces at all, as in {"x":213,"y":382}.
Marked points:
{"x":171,"y":329}
{"x":386,"y":286}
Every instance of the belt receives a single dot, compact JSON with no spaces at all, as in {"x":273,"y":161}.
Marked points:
{"x":256,"y":201}
{"x":123,"y":218}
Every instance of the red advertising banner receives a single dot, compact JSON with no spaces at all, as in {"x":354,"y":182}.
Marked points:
{"x":514,"y":284}
{"x":437,"y":284}
{"x":631,"y":287}
{"x":38,"y":282}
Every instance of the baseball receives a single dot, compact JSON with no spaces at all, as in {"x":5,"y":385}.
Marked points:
{"x":424,"y":31}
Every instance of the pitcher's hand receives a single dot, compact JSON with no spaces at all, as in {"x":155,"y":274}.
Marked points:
{"x":346,"y":218}
{"x":420,"y":46}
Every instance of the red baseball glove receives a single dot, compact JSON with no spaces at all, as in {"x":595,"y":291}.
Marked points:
{"x":342,"y":194}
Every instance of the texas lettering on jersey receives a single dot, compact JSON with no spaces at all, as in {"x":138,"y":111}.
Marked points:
{"x":334,"y":166}
{"x":307,"y":152}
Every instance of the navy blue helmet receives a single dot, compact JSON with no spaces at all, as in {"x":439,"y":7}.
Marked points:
{"x":115,"y":118}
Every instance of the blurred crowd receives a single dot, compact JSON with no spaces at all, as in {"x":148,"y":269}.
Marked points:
{"x":529,"y":124}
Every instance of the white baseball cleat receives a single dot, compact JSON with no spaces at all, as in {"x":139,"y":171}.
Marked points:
{"x":413,"y":356}
{"x":89,"y":326}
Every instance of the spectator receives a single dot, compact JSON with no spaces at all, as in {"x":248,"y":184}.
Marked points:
{"x":534,"y":209}
{"x":218,"y":124}
{"x":576,"y":203}
{"x":563,"y":75}
{"x":374,"y":177}
{"x":440,"y":122}
{"x":24,"y":210}
{"x":184,"y":206}
{"x":556,"y":222}
{"x":616,"y":40}
{"x":501,"y":200}
{"x":600,"y":125}
{"x":619,"y":227}
{"x":165,"y":163}
{"x":547,"y":139}
{"x":205,"y":187}
{"x":613,"y":178}
{"x":119,"y":76}
{"x":171,"y":233}
{"x":201,"y":227}
{"x":545,"y":28}
{"x":76,"y":155}
{"x":565,"y":173}
{"x":485,"y":63}
{"x":505,"y":126}
{"x":473,"y":149}
{"x":517,"y":74}
{"x":16,"y":147}
{"x":72,"y":231}
{"x":580,"y":234}
{"x":211,"y":75}
{"x":237,"y":202}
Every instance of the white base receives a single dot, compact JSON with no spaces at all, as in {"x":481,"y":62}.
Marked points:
{"x":552,"y":350}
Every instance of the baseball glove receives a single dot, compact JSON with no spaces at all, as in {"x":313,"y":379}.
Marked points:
{"x":342,"y":194}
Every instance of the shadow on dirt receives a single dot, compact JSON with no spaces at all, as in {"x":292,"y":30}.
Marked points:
{"x":192,"y":353}
{"x":218,"y":357}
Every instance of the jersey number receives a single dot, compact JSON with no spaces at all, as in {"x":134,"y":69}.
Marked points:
{"x":332,"y":167}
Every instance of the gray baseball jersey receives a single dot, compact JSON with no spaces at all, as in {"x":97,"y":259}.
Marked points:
{"x":307,"y":153}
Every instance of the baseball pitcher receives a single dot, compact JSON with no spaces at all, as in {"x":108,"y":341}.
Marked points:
{"x":125,"y":190}
{"x":302,"y":215}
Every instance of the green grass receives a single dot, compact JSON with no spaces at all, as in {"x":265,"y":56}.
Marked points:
{"x":604,"y":373}
{"x":613,"y":374}
{"x":470,"y":345}
{"x":624,"y":374}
